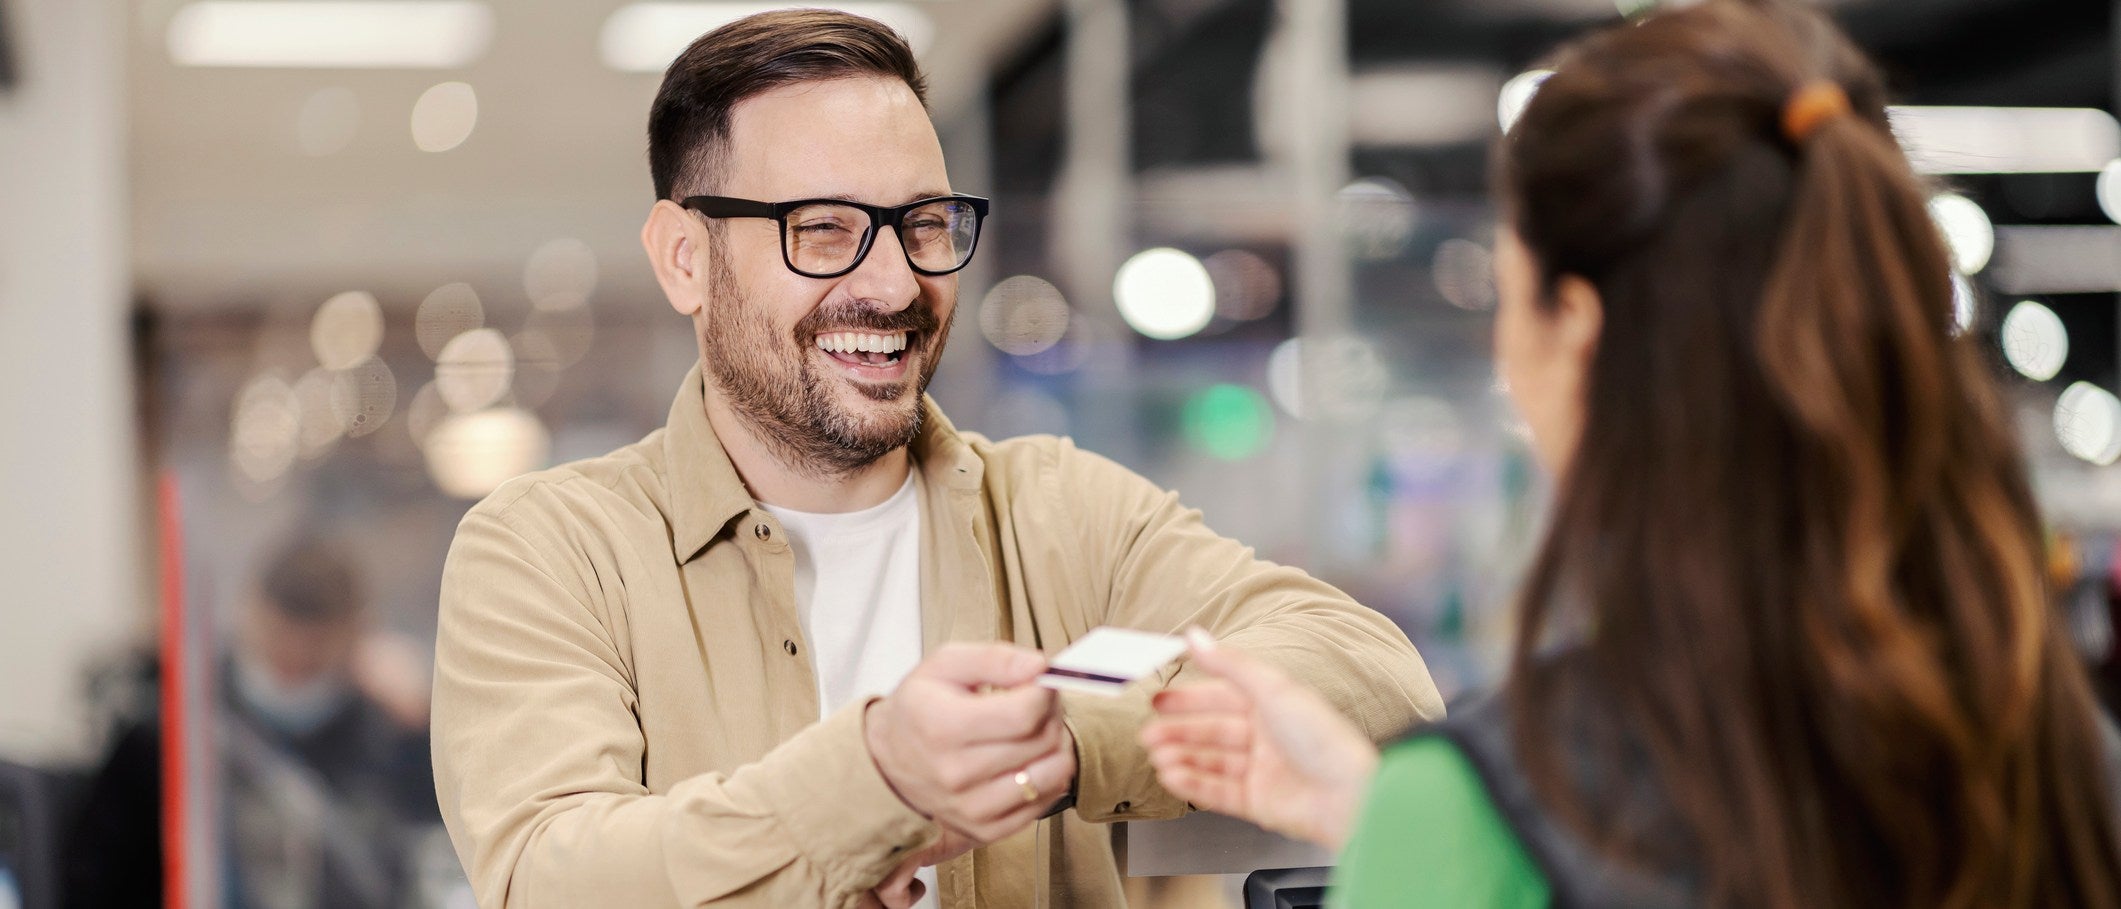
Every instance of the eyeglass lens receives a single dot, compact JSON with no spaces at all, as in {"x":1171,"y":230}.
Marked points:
{"x":824,"y":238}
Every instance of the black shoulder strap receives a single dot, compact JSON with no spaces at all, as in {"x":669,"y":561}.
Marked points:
{"x":1577,"y":873}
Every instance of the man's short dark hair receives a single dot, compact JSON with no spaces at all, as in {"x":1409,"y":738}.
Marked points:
{"x":312,"y":582}
{"x":688,"y":127}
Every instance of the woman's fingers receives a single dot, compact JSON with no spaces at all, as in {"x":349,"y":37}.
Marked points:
{"x":1200,"y":731}
{"x":1205,"y":760}
{"x":1213,"y":696}
{"x":1258,"y":682}
{"x":1213,"y":792}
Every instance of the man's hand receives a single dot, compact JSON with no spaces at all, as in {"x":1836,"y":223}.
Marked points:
{"x":965,"y":723}
{"x":901,"y":890}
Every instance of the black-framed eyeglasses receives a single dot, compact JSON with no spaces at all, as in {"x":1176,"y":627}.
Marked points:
{"x":827,"y":238}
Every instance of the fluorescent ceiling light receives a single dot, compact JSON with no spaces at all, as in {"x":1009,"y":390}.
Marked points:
{"x":331,"y":34}
{"x":1404,"y":106}
{"x":645,"y":37}
{"x":2057,"y":259}
{"x":2007,"y":140}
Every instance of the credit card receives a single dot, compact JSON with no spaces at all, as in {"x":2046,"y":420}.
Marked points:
{"x":1107,"y":659}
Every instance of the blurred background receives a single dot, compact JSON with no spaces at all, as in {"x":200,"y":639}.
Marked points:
{"x":286,"y":286}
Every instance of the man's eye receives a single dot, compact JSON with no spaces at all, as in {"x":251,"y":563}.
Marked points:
{"x":820,"y":227}
{"x":925,"y":224}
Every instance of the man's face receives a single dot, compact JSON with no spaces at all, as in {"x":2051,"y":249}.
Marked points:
{"x":765,"y":331}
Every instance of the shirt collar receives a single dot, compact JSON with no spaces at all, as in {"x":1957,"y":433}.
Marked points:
{"x":706,"y":493}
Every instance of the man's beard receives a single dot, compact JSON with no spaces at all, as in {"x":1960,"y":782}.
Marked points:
{"x":772,"y":382}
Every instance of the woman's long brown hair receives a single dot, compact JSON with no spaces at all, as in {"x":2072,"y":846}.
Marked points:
{"x":1795,"y":556}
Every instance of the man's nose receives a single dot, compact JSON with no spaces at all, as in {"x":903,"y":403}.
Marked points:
{"x":885,"y":277}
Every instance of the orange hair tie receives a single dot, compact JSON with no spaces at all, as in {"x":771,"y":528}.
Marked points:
{"x":1811,"y":106}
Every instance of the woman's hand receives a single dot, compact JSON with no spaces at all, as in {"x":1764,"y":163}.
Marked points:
{"x":1255,"y":744}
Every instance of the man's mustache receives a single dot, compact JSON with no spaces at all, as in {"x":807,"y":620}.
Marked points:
{"x":919,"y":318}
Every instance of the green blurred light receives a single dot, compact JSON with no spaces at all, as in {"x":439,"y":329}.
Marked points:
{"x":1231,"y":422}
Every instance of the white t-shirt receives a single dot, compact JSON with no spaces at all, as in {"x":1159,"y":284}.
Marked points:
{"x":862,"y":612}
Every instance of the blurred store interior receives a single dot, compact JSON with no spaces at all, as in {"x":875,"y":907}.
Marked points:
{"x":275,"y":274}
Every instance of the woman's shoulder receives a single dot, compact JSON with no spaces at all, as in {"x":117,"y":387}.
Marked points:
{"x":1429,"y":835}
{"x":1481,"y":737}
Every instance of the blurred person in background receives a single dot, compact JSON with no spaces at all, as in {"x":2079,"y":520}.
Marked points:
{"x":325,"y":776}
{"x":692,"y":672}
{"x":1788,"y":641}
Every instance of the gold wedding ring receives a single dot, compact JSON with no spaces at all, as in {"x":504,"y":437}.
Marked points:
{"x":1023,"y":781}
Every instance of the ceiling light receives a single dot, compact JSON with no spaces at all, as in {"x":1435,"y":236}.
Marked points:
{"x":331,"y":34}
{"x":1164,"y":293}
{"x":2007,"y":140}
{"x":645,"y":37}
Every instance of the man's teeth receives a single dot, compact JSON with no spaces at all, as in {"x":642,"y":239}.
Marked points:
{"x":861,"y":342}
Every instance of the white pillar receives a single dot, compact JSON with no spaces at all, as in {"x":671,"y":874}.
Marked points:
{"x":1310,"y":49}
{"x":1093,"y":195}
{"x":70,"y":546}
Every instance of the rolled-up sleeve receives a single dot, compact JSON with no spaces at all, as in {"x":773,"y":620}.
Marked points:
{"x":538,"y":757}
{"x":1169,"y":571}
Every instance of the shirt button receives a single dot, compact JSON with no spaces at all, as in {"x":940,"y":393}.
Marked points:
{"x":1122,"y":807}
{"x":788,"y":646}
{"x":763,"y":532}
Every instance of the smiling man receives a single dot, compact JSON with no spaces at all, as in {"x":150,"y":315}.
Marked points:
{"x":781,"y":651}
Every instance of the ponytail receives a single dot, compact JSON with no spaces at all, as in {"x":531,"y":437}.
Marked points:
{"x":1796,"y":519}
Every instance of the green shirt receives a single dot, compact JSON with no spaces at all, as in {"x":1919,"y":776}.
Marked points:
{"x":1428,"y":835}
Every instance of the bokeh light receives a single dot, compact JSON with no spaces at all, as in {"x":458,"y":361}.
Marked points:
{"x":472,"y":454}
{"x":537,"y":368}
{"x":2034,"y":341}
{"x":1464,"y":272}
{"x":2109,"y":190}
{"x":364,"y":396}
{"x":1353,"y":378}
{"x":321,"y":426}
{"x":1516,"y":94}
{"x":1377,"y":218}
{"x":2088,"y":423}
{"x":1069,"y":354}
{"x":562,"y":274}
{"x":1227,"y":421}
{"x":328,"y":121}
{"x":1164,"y":293}
{"x":1247,"y":286}
{"x":426,"y":412}
{"x":474,"y":370}
{"x":1967,"y":231}
{"x":448,"y":311}
{"x":266,"y":433}
{"x":560,"y":337}
{"x":346,"y":329}
{"x":1023,"y":315}
{"x":444,"y":116}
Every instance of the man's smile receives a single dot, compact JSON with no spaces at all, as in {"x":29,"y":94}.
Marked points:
{"x":868,"y":355}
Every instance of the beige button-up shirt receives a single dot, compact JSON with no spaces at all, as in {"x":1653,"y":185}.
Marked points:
{"x":625,"y":713}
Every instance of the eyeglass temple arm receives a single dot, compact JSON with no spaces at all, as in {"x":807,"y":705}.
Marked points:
{"x":726,"y":207}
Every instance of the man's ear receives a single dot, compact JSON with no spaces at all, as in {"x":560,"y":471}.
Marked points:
{"x":672,"y":238}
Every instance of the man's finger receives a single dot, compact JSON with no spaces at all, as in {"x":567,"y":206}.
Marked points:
{"x":1004,"y":716}
{"x":972,"y":665}
{"x":1004,"y":806}
{"x":994,"y":760}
